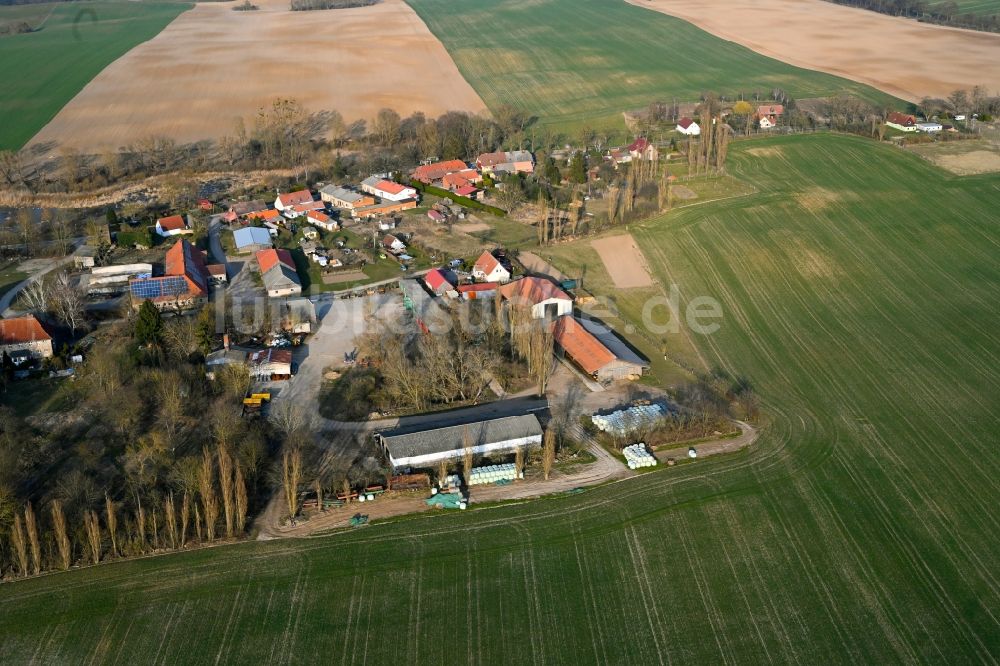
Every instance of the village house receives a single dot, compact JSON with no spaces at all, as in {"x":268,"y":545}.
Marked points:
{"x":322,"y":220}
{"x":688,"y":127}
{"x":342,"y":197}
{"x":595,"y":350}
{"x":619,"y":156}
{"x":277,"y":269}
{"x":929,"y":127}
{"x":513,"y":161}
{"x":239,"y":209}
{"x":250,"y":240}
{"x":489,"y":269}
{"x":175,"y":225}
{"x":387,"y":189}
{"x":286,"y":201}
{"x":393,"y":244}
{"x":23,"y":340}
{"x":440,"y":280}
{"x":217,"y":274}
{"x":421,"y":448}
{"x":266,"y":217}
{"x":903,"y":122}
{"x":641,"y":148}
{"x":431,"y":173}
{"x":298,"y":210}
{"x":542,"y":296}
{"x":184,"y":284}
{"x":310,"y":233}
{"x":437,"y":216}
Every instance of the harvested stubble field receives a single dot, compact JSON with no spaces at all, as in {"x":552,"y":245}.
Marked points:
{"x":902,"y":57}
{"x":41,"y":71}
{"x":860,"y":528}
{"x":214,"y":65}
{"x":576,"y":62}
{"x":963,"y":158}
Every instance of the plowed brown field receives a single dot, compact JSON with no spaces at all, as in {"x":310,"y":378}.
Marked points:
{"x":899,"y":56}
{"x":213,"y":65}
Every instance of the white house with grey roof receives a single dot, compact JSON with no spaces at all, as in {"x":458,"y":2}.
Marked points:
{"x":407,"y":447}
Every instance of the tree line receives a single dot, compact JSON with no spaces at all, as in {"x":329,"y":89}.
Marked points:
{"x":140,"y":454}
{"x":945,"y":13}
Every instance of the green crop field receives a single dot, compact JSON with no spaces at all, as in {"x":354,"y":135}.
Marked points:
{"x":860,"y":289}
{"x":41,"y":71}
{"x":978,"y":7}
{"x":586,"y":61}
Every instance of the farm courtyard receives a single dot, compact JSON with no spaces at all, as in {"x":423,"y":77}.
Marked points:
{"x":859,"y":286}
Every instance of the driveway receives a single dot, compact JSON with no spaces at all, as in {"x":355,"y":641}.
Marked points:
{"x":8,"y":299}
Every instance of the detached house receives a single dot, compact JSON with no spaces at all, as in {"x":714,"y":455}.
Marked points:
{"x":430,"y":173}
{"x":277,"y":269}
{"x":901,"y":121}
{"x":322,"y":220}
{"x":175,"y":225}
{"x":489,"y":269}
{"x":440,"y":280}
{"x":387,"y":189}
{"x":286,"y":201}
{"x":688,"y":127}
{"x":393,"y":244}
{"x":543,"y":297}
{"x":511,"y":161}
{"x":23,"y":340}
{"x":642,"y":149}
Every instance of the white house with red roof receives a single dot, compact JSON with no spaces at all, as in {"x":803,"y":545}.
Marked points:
{"x":174,"y":225}
{"x":643,"y":149}
{"x":286,"y":201}
{"x":393,"y":244}
{"x":488,"y":269}
{"x":23,"y":339}
{"x":322,"y":220}
{"x":688,"y":127}
{"x":542,"y":296}
{"x":277,"y":269}
{"x":388,"y":190}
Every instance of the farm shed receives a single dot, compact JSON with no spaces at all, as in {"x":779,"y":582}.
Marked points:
{"x":425,"y":448}
{"x":596,"y":350}
{"x":252,"y":239}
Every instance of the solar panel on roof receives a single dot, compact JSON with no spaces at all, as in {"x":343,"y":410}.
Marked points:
{"x":157,"y":287}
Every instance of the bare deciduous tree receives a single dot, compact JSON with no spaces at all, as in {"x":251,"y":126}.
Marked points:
{"x":241,"y":501}
{"x":226,"y":485}
{"x":291,"y":467}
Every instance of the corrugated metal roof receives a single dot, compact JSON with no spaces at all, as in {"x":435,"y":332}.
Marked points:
{"x":252,"y":236}
{"x":405,"y":443}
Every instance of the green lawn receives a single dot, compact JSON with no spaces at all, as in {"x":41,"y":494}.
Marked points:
{"x":859,"y":287}
{"x":42,"y":71}
{"x":10,"y":276}
{"x":573,"y":62}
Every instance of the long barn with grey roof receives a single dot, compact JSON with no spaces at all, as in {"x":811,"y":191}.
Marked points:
{"x":406,"y":447}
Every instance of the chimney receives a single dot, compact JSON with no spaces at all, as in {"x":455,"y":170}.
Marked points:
{"x":225,"y":341}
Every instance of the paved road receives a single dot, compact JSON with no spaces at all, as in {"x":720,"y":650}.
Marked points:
{"x":8,"y":298}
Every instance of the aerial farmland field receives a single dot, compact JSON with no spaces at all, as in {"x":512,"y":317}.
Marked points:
{"x":43,"y":70}
{"x":859,"y":288}
{"x":574,"y":62}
